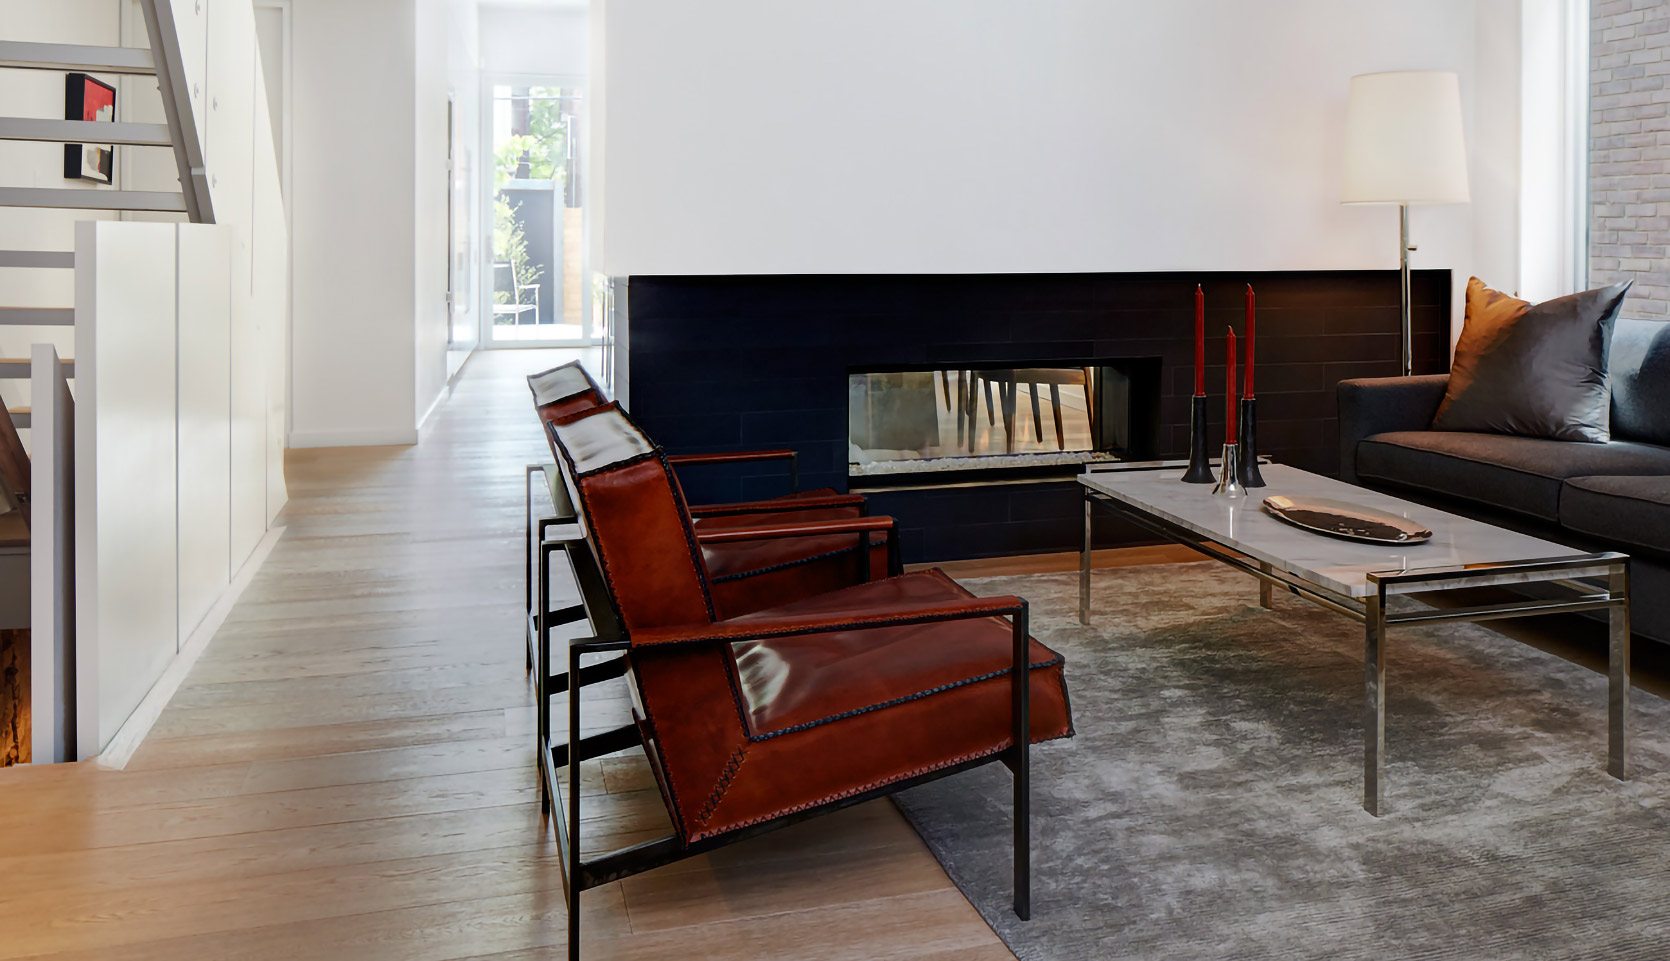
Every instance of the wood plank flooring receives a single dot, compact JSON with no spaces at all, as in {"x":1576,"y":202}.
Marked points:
{"x":348,"y":771}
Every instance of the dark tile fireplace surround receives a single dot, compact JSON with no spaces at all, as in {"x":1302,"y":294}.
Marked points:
{"x":738,"y":362}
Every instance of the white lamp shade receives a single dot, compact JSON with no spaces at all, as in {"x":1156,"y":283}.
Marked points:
{"x":1403,"y":140}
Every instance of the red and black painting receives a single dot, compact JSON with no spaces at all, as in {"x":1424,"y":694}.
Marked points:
{"x":89,"y":99}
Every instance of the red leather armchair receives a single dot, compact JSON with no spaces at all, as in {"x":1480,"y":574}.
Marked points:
{"x":753,"y":721}
{"x":752,"y":571}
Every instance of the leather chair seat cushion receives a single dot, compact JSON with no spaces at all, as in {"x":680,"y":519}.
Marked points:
{"x":748,"y":576}
{"x":1632,"y":511}
{"x":787,"y":684}
{"x":817,"y":718}
{"x":1519,"y":474}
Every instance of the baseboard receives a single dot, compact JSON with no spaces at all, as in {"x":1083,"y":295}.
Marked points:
{"x":441,"y":395}
{"x":131,"y":734}
{"x":353,"y":438}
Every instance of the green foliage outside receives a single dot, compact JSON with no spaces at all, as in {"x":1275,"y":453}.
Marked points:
{"x":539,"y":154}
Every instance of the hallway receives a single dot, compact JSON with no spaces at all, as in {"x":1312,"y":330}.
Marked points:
{"x":348,"y":771}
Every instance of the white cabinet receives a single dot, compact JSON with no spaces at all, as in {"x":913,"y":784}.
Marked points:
{"x":204,"y":433}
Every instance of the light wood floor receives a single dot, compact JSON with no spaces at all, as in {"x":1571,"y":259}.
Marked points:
{"x":348,"y":771}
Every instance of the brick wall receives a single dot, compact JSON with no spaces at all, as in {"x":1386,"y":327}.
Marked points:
{"x":1629,"y":159}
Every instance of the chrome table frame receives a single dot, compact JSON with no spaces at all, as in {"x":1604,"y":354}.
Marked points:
{"x":1611,"y":594}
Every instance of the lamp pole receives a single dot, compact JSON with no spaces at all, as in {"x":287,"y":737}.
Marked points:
{"x":1403,"y":271}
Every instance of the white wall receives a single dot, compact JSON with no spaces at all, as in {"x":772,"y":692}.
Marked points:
{"x":780,"y":136}
{"x":536,"y":42}
{"x":431,"y":84}
{"x":464,"y":69}
{"x":369,"y":178}
{"x":353,"y":354}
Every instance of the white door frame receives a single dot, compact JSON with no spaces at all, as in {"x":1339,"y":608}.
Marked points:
{"x":488,"y":82}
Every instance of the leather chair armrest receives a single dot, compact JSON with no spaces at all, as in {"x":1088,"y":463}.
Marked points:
{"x":757,"y":627}
{"x":729,"y":457}
{"x":1378,"y":405}
{"x":741,"y":457}
{"x":849,"y":525}
{"x":782,"y":506}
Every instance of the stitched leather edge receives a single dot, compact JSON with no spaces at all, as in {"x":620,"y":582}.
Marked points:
{"x":723,"y":785}
{"x":870,"y":786}
{"x":785,"y":565}
{"x":1058,"y":660}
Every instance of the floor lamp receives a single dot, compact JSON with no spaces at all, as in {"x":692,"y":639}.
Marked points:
{"x":1404,"y":146}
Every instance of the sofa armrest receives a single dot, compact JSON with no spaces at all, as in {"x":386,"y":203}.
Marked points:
{"x":1377,"y":405}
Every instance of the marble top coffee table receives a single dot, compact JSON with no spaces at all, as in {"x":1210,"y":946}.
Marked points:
{"x":1356,"y":579}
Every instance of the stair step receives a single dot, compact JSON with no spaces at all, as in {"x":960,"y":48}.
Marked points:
{"x":38,"y":258}
{"x":21,"y":416}
{"x":74,"y":56}
{"x":85,"y":131}
{"x":74,"y":199}
{"x":37,"y":316}
{"x":18,"y":368}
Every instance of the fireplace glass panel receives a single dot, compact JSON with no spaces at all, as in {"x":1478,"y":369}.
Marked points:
{"x":960,"y":419}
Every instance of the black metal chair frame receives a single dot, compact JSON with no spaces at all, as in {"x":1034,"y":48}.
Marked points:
{"x":607,"y":636}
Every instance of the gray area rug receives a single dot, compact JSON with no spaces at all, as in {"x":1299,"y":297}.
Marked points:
{"x":1210,"y":806}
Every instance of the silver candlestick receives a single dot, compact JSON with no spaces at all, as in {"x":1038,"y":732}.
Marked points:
{"x":1229,"y":482}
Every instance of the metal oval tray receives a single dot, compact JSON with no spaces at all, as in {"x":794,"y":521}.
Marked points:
{"x":1348,"y":521}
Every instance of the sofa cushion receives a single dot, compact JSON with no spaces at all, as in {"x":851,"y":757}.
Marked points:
{"x":1632,"y":511}
{"x":1641,"y":381}
{"x":1519,"y":474}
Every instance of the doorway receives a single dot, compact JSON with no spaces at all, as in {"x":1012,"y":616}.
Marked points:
{"x":537,"y":295}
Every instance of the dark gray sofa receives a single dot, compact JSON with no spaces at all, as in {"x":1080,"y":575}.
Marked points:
{"x":1613,"y":496}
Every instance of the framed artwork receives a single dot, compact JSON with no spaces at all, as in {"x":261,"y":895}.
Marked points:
{"x":88,"y":99}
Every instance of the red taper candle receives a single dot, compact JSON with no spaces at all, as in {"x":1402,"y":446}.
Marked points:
{"x":1252,"y":335}
{"x":1200,"y":342}
{"x":1229,"y":395}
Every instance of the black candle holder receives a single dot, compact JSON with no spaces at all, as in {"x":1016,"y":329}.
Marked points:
{"x":1247,"y":439}
{"x":1200,"y":461}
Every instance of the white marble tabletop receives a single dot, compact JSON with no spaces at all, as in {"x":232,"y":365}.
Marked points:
{"x":1340,"y":565}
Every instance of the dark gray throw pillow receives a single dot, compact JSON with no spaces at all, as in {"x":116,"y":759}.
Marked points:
{"x":1533,"y":370}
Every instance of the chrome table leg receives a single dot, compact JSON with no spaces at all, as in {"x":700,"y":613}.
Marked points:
{"x":1374,"y":704}
{"x":1084,"y":565}
{"x":1617,"y":687}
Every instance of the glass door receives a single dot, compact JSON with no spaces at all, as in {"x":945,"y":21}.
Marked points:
{"x":537,"y":290}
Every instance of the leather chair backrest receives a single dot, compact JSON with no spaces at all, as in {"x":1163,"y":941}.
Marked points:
{"x":565,"y":391}
{"x":1639,"y":366}
{"x":635,"y":519}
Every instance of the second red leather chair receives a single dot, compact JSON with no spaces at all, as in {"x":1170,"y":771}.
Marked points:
{"x":758,"y":553}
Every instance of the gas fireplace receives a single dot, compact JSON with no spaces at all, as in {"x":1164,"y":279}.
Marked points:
{"x":1025,"y":420}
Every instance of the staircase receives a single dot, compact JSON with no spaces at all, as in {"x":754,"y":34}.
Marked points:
{"x":190,"y":201}
{"x":171,"y":449}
